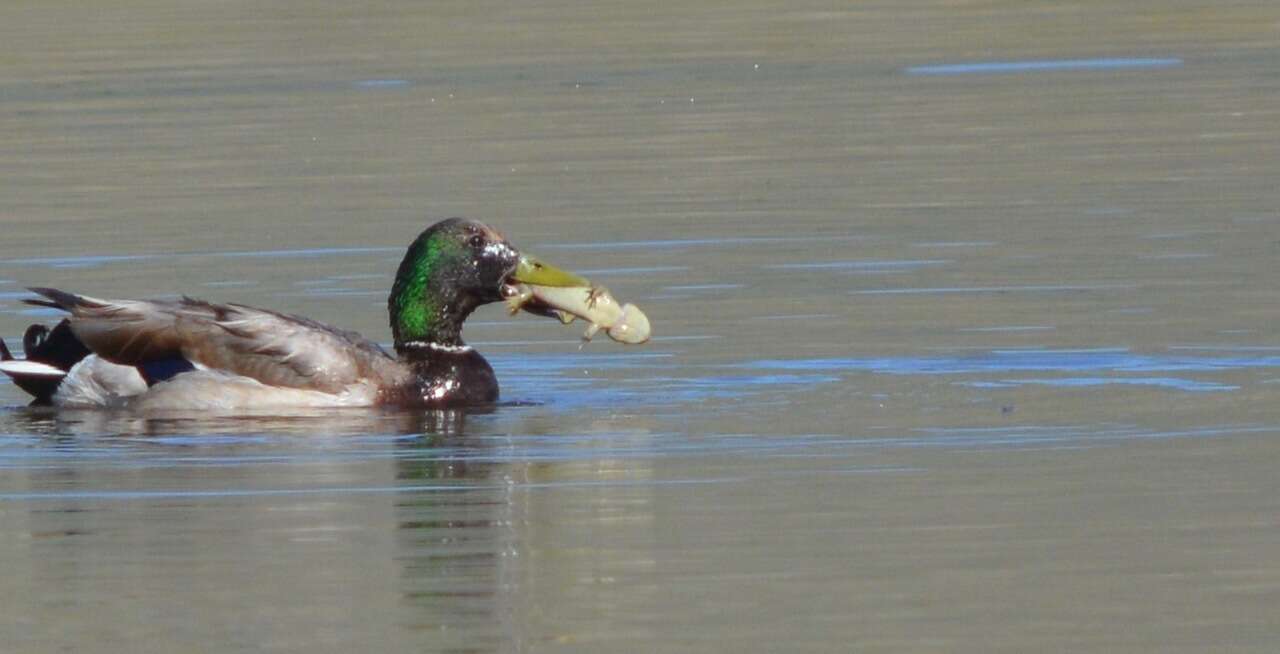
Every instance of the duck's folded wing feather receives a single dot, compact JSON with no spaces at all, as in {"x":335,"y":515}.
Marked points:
{"x":273,"y":348}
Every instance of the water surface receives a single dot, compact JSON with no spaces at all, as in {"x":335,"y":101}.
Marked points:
{"x":964,"y":335}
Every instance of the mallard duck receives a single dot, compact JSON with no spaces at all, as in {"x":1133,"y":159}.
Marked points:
{"x":193,"y":354}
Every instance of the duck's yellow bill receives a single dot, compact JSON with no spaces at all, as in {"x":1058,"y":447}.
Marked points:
{"x":532,"y":271}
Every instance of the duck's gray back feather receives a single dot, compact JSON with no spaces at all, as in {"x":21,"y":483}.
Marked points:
{"x":273,"y":348}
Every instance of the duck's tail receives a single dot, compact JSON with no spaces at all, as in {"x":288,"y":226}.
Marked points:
{"x":56,"y":299}
{"x":50,"y":353}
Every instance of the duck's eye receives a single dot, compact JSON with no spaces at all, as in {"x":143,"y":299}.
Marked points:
{"x":476,"y":241}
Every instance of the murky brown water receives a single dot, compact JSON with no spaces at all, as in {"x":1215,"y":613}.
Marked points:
{"x":949,"y":359}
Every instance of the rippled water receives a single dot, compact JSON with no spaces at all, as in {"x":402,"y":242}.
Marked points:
{"x":964,"y":335}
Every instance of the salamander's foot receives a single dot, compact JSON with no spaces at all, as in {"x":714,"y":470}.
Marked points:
{"x":516,"y":297}
{"x":595,"y":294}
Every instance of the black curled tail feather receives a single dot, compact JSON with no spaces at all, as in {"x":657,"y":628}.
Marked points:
{"x":56,"y":347}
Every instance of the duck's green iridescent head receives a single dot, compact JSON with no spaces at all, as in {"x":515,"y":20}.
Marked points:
{"x":453,"y":267}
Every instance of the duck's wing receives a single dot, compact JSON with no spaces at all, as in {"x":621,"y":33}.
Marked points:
{"x":273,"y":348}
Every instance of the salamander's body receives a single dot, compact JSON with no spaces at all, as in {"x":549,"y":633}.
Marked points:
{"x":624,"y":323}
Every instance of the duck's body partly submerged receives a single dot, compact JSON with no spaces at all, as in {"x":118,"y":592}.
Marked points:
{"x":195,"y":354}
{"x":192,"y":354}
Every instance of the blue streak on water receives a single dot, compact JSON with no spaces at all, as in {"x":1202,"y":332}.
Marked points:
{"x":1033,"y":288}
{"x":42,"y":312}
{"x":87,"y":261}
{"x":1175,"y":256}
{"x":1113,"y":360}
{"x":1131,"y":368}
{"x":953,"y":244}
{"x":382,"y":83}
{"x":697,"y":242}
{"x":703,"y":287}
{"x":860,"y":265}
{"x":542,"y":363}
{"x":340,"y":292}
{"x":1044,"y":65}
{"x":231,"y":283}
{"x":1010,"y":328}
{"x":304,"y":252}
{"x":739,"y":381}
{"x":606,"y":272}
{"x":90,"y":261}
{"x":1166,"y":382}
{"x":1032,"y":436}
{"x":792,"y":316}
{"x":1227,"y":348}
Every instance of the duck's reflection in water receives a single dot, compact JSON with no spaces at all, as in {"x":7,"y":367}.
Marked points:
{"x":485,"y":522}
{"x":198,"y":425}
{"x":504,"y":559}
